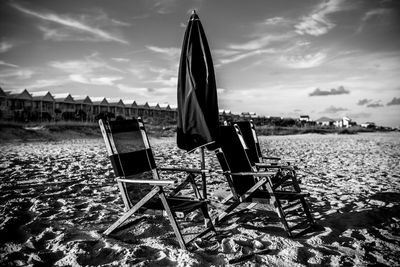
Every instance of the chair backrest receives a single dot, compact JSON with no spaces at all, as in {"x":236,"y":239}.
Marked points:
{"x":233,"y":158}
{"x":250,"y":137}
{"x":130,"y":154}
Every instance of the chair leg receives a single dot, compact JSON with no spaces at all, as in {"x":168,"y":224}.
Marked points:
{"x":189,"y":179}
{"x":281,"y":214}
{"x":194,"y":186}
{"x":130,"y":212}
{"x":172,"y":219}
{"x":241,"y":199}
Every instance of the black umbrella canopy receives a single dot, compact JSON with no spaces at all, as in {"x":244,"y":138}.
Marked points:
{"x":198,"y":122}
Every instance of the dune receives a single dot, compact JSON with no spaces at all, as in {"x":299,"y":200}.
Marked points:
{"x":57,"y":197}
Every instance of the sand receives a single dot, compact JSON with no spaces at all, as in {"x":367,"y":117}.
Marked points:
{"x":56,"y":199}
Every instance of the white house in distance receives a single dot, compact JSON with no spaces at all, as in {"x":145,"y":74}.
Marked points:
{"x":368,"y":125}
{"x":304,"y":118}
{"x":325,"y":121}
{"x":344,"y":122}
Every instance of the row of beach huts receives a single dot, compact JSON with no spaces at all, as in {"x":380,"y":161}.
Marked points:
{"x":24,"y":106}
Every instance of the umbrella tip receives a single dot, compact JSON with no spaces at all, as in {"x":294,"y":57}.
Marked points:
{"x":193,"y":11}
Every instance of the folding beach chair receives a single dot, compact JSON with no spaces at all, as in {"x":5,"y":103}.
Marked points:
{"x":286,"y":168}
{"x":254,"y":150}
{"x":139,"y":181}
{"x":251,"y":186}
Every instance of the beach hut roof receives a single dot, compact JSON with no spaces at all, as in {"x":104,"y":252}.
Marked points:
{"x":63,"y":97}
{"x":154,"y":105}
{"x":82,"y":99}
{"x":130,"y":102}
{"x":2,"y":93}
{"x":99,"y":100}
{"x":42,"y":95}
{"x":115,"y":101}
{"x":20,"y":94}
{"x":165,"y":106}
{"x":143,"y":104}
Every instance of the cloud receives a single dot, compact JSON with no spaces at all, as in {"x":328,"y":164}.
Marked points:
{"x":42,"y":83}
{"x":70,"y":23}
{"x":3,"y":63}
{"x":20,"y":74}
{"x":89,"y":79}
{"x":378,"y":15}
{"x":317,"y":22}
{"x":129,"y":89}
{"x":91,"y":70}
{"x":5,"y":46}
{"x":333,"y":109}
{"x":340,"y":91}
{"x":374,"y":105}
{"x":362,"y":102}
{"x":119,"y":59}
{"x":168,"y":51}
{"x":359,"y":115}
{"x":245,"y":55}
{"x":163,"y":6}
{"x":304,"y":61}
{"x":275,"y":21}
{"x":260,"y":42}
{"x":394,"y":101}
{"x":90,"y":64}
{"x":164,"y":77}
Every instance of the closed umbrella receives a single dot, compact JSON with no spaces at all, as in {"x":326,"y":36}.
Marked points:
{"x":198,"y":121}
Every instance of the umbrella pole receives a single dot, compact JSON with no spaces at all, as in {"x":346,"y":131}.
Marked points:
{"x":203,"y":175}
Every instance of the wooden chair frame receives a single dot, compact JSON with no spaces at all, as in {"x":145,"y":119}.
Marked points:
{"x":158,"y":190}
{"x":266,"y":189}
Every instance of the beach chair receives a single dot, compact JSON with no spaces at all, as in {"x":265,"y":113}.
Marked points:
{"x":139,"y":182}
{"x":248,"y":131}
{"x":286,"y":167}
{"x":251,"y":186}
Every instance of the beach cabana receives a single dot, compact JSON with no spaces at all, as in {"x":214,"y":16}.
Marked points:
{"x":154,"y":109}
{"x":143,"y":109}
{"x":43,"y":105}
{"x":83,"y":107}
{"x":140,"y":184}
{"x":64,"y":106}
{"x":174,"y":111}
{"x":165,"y":110}
{"x":131,"y":108}
{"x":100,"y":105}
{"x":20,"y":103}
{"x":116,"y":106}
{"x":3,"y":104}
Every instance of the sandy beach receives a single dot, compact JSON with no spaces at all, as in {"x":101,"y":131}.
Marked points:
{"x":58,"y":197}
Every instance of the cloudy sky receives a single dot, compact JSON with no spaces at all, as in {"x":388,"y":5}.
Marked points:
{"x":276,"y":58}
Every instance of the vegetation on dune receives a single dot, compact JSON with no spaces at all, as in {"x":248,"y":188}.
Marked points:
{"x":155,"y":127}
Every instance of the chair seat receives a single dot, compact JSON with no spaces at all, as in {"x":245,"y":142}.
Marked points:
{"x":176,"y":204}
{"x":262,"y":194}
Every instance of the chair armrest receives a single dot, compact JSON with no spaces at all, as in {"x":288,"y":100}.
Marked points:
{"x":171,"y":169}
{"x":264,"y":165}
{"x":280,"y":159}
{"x":147,"y":181}
{"x":271,"y":158}
{"x":258,"y":174}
